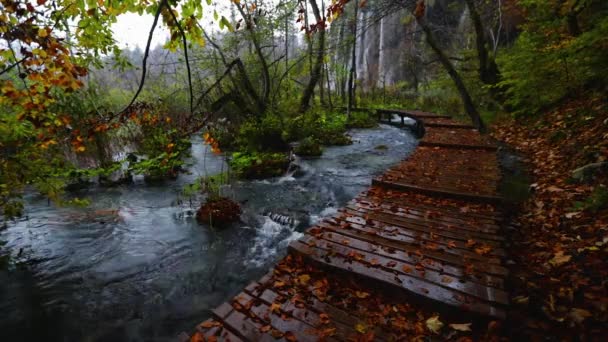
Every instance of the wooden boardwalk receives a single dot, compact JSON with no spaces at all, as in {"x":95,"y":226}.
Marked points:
{"x":427,"y":230}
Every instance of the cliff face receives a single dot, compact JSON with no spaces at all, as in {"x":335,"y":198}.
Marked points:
{"x":389,"y":47}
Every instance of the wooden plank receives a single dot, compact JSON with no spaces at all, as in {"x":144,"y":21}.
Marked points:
{"x":392,"y":241}
{"x":438,"y":192}
{"x":433,"y":216}
{"x":239,"y":324}
{"x":418,"y":270}
{"x":455,"y":213}
{"x":396,"y":235}
{"x":309,"y":317}
{"x":338,"y":316}
{"x":428,"y":143}
{"x":443,"y":231}
{"x":415,"y":261}
{"x":424,"y":238}
{"x":282,"y":321}
{"x":402,"y":282}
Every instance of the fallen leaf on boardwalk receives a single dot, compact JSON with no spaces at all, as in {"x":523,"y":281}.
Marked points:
{"x":360,"y":327}
{"x":434,"y":324}
{"x":483,"y":249}
{"x":451,"y":244}
{"x":391,"y":264}
{"x":265,"y":329}
{"x":579,"y":315}
{"x":406,"y":269}
{"x":461,"y":327}
{"x":522,"y":300}
{"x":361,"y":294}
{"x":304,"y":278}
{"x":278,"y":284}
{"x":470,"y":243}
{"x":197,"y":337}
{"x":212,"y":338}
{"x":553,"y":188}
{"x":324,"y":318}
{"x":559,"y":259}
{"x":210,"y":324}
{"x":276,"y":333}
{"x":275,"y":307}
{"x":446,"y":279}
{"x":289,"y":336}
{"x":327,"y":332}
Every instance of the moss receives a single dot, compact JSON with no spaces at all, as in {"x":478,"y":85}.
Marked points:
{"x":361,"y":120}
{"x":256,"y":165}
{"x":309,"y":147}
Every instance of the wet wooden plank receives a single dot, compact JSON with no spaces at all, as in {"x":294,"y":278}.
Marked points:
{"x":391,"y":239}
{"x":429,"y":240}
{"x":207,"y":330}
{"x":420,"y":270}
{"x":277,"y":319}
{"x":454,"y":273}
{"x":441,"y":231}
{"x":458,"y":211}
{"x":426,"y":217}
{"x":451,"y":193}
{"x":401,"y":281}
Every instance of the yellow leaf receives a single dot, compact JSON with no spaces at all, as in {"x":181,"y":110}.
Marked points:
{"x":434,"y":324}
{"x":559,"y":259}
{"x":80,"y":149}
{"x":461,"y":327}
{"x":360,"y":327}
{"x":304,"y":278}
{"x":43,"y":33}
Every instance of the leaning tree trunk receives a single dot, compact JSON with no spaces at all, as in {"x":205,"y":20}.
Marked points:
{"x":249,"y":24}
{"x":315,"y":75}
{"x":488,"y":70}
{"x":447,"y":64}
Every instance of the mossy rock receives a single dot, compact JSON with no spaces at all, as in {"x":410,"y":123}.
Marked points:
{"x":309,"y":147}
{"x":259,"y":165}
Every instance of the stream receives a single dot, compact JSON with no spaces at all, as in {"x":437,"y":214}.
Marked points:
{"x":136,"y":266}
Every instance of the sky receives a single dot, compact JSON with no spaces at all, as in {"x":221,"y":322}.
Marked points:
{"x":131,"y":30}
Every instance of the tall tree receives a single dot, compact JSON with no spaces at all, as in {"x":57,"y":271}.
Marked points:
{"x":319,"y":28}
{"x":488,"y":70}
{"x":469,"y":106}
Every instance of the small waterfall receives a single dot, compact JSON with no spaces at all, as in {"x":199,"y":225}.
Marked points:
{"x":381,"y":54}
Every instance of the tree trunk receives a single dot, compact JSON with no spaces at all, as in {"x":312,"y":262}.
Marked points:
{"x":488,"y":70}
{"x":258,"y":51}
{"x":320,"y":53}
{"x":353,"y":64}
{"x":447,"y":64}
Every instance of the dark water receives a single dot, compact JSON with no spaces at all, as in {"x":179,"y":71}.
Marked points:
{"x":136,"y":266}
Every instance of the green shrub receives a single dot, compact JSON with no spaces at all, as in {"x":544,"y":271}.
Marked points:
{"x":263,"y":135}
{"x":254,"y":165}
{"x":548,"y":63}
{"x":597,"y":201}
{"x":309,"y":147}
{"x":361,"y":120}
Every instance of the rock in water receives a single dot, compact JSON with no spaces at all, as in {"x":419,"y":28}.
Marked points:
{"x":219,"y":212}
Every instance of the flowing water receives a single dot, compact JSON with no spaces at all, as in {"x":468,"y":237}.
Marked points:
{"x":135,"y":265}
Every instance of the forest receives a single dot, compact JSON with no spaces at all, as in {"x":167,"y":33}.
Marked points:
{"x":143,"y":186}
